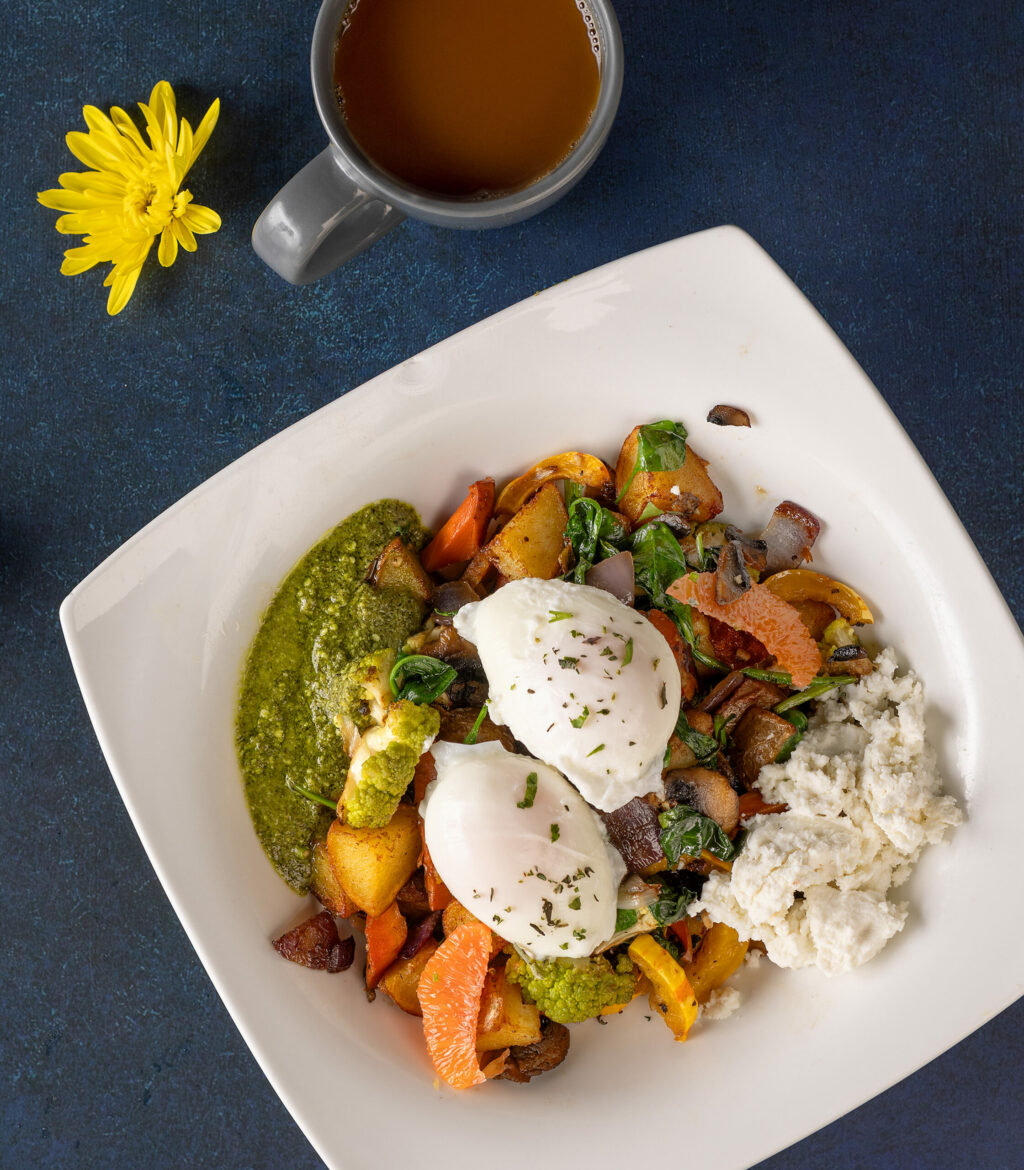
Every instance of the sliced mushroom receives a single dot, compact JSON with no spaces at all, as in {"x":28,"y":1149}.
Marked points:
{"x":751,"y":692}
{"x":708,"y":792}
{"x":454,"y":650}
{"x":789,"y":535}
{"x":848,"y":660}
{"x":634,"y":830}
{"x":757,"y":740}
{"x":449,"y":597}
{"x":458,"y":723}
{"x":530,"y":1060}
{"x":732,"y":578}
{"x":728,"y":416}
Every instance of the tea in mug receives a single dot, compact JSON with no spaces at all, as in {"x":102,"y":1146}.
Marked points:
{"x":467,"y":98}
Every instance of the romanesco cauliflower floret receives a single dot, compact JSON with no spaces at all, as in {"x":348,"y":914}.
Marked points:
{"x":383,"y":763}
{"x":570,"y":990}
{"x":363,"y":692}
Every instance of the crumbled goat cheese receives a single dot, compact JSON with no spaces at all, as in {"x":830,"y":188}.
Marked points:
{"x":722,"y":1002}
{"x":864,"y":799}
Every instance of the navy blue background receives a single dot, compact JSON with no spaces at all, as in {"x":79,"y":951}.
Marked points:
{"x":874,"y":149}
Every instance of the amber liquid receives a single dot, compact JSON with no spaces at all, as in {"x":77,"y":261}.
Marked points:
{"x":466,"y":98}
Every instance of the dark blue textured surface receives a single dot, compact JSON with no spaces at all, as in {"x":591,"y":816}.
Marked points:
{"x":873,"y":148}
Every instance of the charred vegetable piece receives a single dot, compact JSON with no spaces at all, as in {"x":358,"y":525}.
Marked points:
{"x":586,"y":470}
{"x":753,"y":804}
{"x":399,"y":983}
{"x":505,"y":1020}
{"x":717,"y":958}
{"x":457,"y":723}
{"x":325,"y":887}
{"x":758,"y":739}
{"x":449,"y":597}
{"x":748,"y":694}
{"x":806,"y":585}
{"x":372,"y":865}
{"x":728,"y":416}
{"x":422,"y":933}
{"x":463,"y":533}
{"x":680,"y":651}
{"x":657,"y":471}
{"x":671,"y":995}
{"x":732,"y":578}
{"x":530,"y":1060}
{"x":532,"y":542}
{"x":412,"y":898}
{"x":735,"y":649}
{"x":634,"y":830}
{"x":789,"y":536}
{"x":309,"y":943}
{"x":707,"y":791}
{"x":385,"y":936}
{"x":398,"y":567}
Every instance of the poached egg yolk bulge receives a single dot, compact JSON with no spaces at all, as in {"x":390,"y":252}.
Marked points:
{"x":586,"y":683}
{"x":516,"y":844}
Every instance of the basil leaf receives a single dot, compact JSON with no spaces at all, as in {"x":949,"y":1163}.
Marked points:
{"x":594,"y":533}
{"x":704,"y":747}
{"x":625,"y":920}
{"x":673,"y":902}
{"x":660,"y":446}
{"x":420,"y":678}
{"x":687,"y":833}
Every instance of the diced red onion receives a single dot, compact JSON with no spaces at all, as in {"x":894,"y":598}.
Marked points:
{"x":614,"y":576}
{"x":418,"y":937}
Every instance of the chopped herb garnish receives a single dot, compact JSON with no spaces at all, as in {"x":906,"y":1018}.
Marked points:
{"x":599,"y":748}
{"x":627,"y":654}
{"x":531,"y":792}
{"x":556,"y":832}
{"x":474,"y":730}
{"x":581,"y":718}
{"x":568,"y":663}
{"x":558,"y":615}
{"x":575,"y":904}
{"x":579,"y":934}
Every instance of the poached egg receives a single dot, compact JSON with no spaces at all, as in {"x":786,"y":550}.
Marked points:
{"x":516,"y":844}
{"x":585,"y":682}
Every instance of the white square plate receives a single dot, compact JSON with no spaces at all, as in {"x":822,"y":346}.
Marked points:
{"x":159,"y":631}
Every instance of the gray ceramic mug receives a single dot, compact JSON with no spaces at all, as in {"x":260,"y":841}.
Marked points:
{"x":341,"y":203}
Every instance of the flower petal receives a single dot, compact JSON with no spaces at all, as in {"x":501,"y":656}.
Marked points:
{"x":201,"y":220}
{"x":167,"y":252}
{"x":162,"y":104}
{"x":122,"y":285}
{"x":126,"y":126}
{"x":203,"y":132}
{"x":107,"y":182}
{"x":96,"y":153}
{"x":184,"y":235}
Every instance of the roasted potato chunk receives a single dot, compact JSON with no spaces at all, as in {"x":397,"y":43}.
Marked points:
{"x":372,"y":865}
{"x":531,"y":543}
{"x":400,"y":980}
{"x":688,"y":490}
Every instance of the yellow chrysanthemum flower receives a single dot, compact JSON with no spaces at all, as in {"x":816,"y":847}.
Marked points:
{"x":131,"y":195}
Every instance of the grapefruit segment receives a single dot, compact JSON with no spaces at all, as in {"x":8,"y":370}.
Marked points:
{"x":449,"y":992}
{"x":771,"y":620}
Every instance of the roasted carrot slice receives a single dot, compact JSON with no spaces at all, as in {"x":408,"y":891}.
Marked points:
{"x":463,"y":532}
{"x":450,"y":990}
{"x":680,"y":651}
{"x":385,"y":935}
{"x":771,"y":620}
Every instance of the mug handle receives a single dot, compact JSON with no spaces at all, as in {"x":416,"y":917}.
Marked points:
{"x":319,"y":220}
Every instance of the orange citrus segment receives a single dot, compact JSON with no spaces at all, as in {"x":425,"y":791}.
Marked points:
{"x":449,"y":992}
{"x":758,"y":611}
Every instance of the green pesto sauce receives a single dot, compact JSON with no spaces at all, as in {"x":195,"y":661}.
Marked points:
{"x":323,"y":617}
